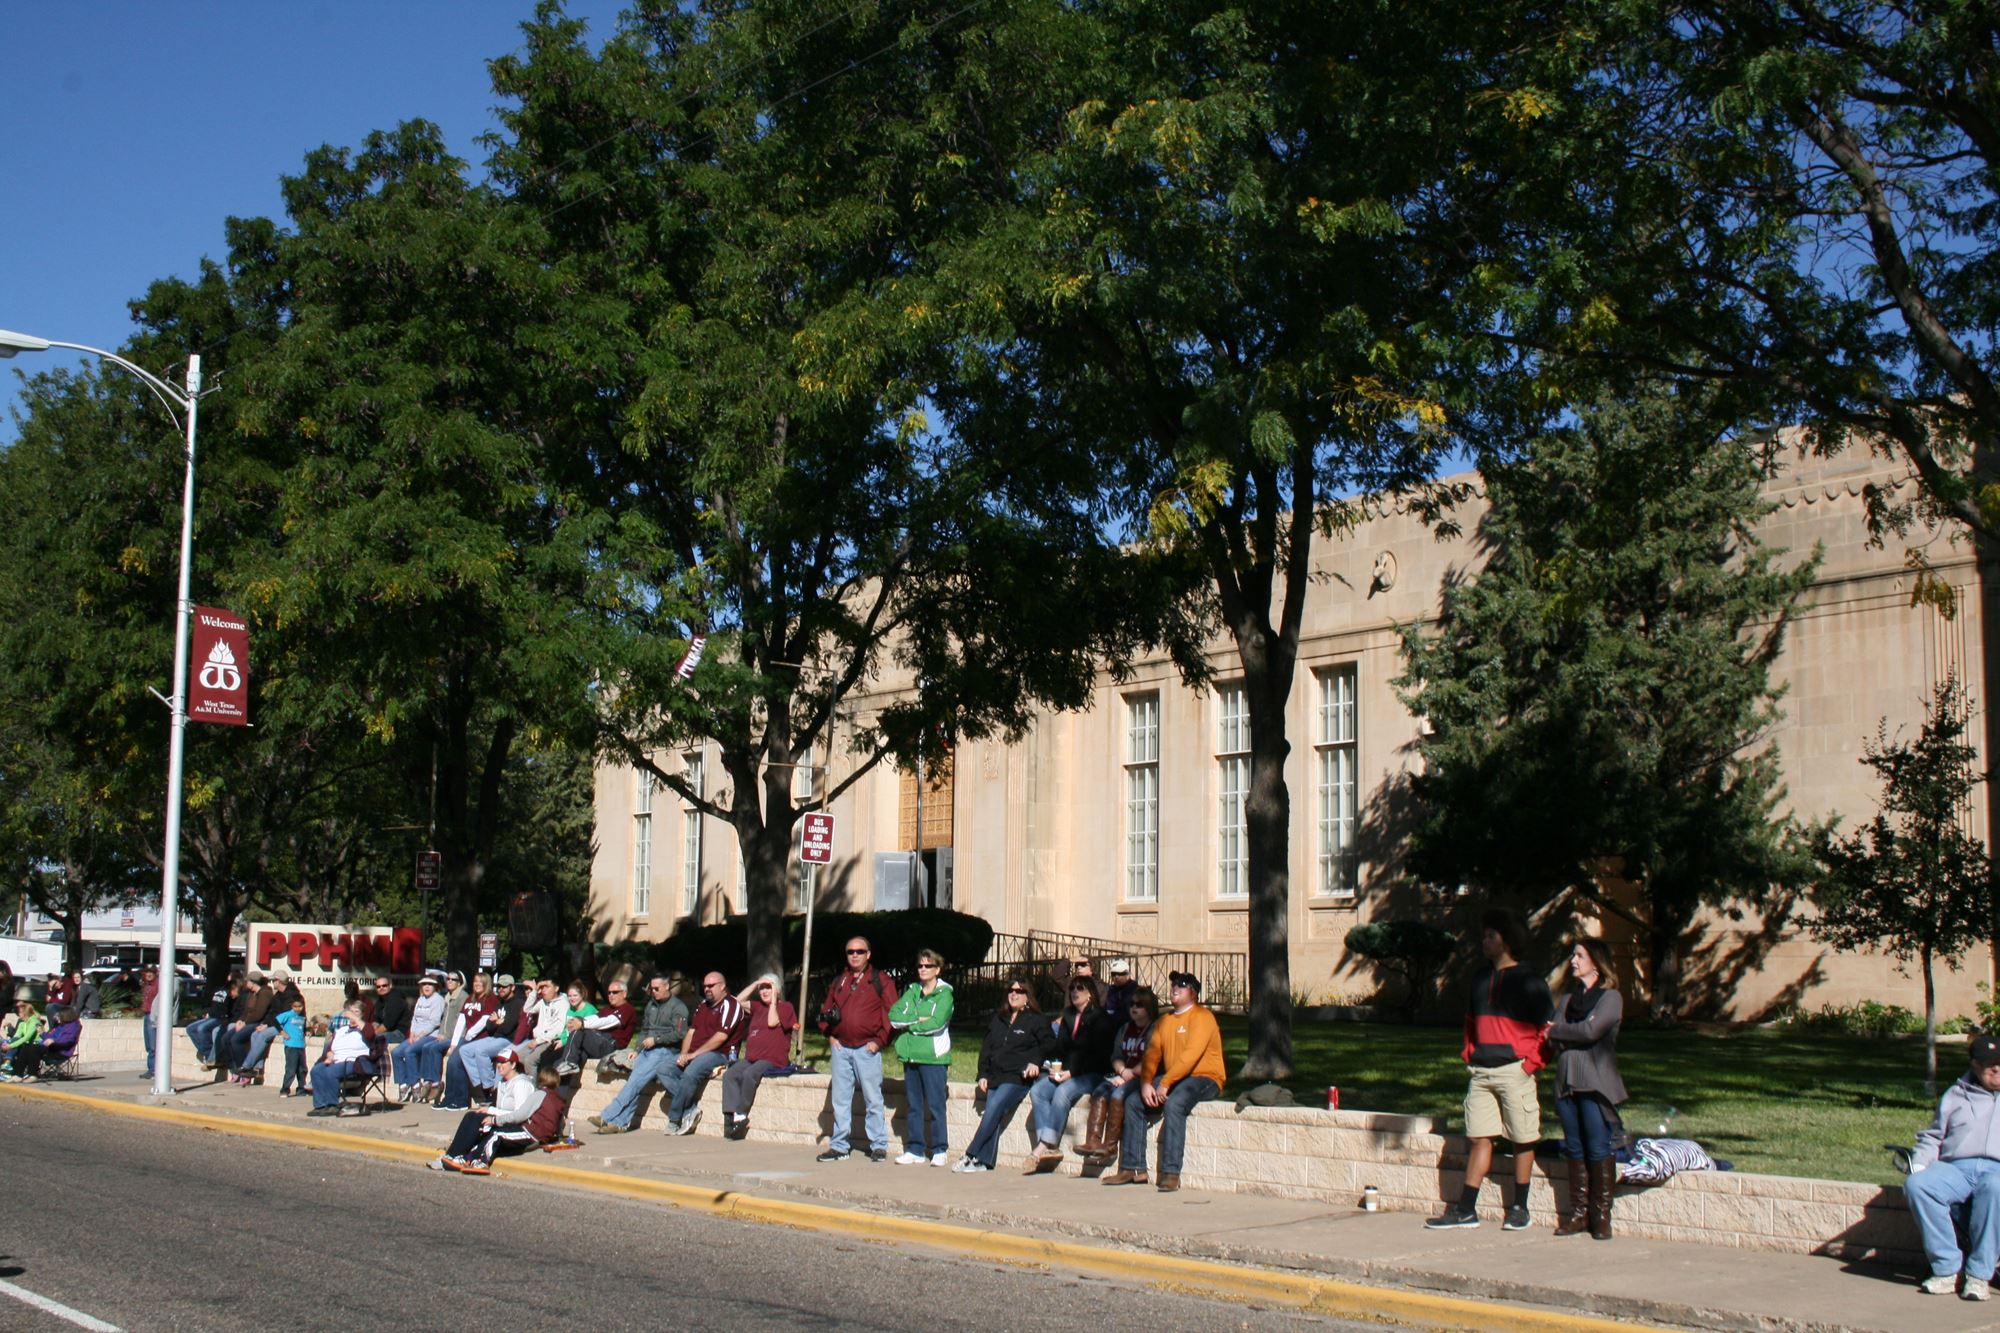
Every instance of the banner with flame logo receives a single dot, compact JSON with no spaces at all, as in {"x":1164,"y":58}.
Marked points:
{"x":220,"y":666}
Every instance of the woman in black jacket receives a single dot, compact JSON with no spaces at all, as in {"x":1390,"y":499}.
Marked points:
{"x":1076,"y":1068}
{"x":1018,"y":1042}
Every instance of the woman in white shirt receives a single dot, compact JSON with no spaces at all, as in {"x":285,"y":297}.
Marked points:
{"x":348,"y":1051}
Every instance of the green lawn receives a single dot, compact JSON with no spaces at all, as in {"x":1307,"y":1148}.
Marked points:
{"x":1768,"y":1101}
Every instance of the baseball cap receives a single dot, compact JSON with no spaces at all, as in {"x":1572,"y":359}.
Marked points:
{"x":510,"y":1055}
{"x":1985,"y":1050}
{"x":1188,"y":979}
{"x":427,"y":980}
{"x":1119,"y":965}
{"x":504,"y":979}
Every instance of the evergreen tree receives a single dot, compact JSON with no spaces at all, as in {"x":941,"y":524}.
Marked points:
{"x":1599,"y":694}
{"x":1912,"y":883}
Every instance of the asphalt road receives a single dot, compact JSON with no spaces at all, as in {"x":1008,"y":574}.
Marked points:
{"x":146,"y":1227}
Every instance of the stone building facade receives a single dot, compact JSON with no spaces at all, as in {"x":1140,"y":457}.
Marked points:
{"x":1122,"y":821}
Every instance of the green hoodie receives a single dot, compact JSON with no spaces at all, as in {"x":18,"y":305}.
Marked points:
{"x":925,"y":1023}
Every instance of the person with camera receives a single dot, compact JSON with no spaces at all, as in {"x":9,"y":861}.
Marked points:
{"x":855,"y":1019}
{"x":1018,"y":1043}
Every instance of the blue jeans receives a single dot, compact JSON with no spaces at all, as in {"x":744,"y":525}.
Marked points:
{"x":1586,"y":1129}
{"x":457,"y":1094}
{"x":260,"y":1042}
{"x":202,"y":1033}
{"x":295,"y":1069}
{"x":1172,"y":1115}
{"x":925,"y":1091}
{"x":852,"y":1065}
{"x":412,"y":1058}
{"x":478,"y":1057}
{"x":326,"y":1076}
{"x":683,"y":1083}
{"x":1000,"y":1103}
{"x":648,"y":1069}
{"x":1053,"y":1100}
{"x":1932,"y":1192}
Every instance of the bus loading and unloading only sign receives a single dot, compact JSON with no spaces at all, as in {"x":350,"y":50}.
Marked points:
{"x":816,"y":839}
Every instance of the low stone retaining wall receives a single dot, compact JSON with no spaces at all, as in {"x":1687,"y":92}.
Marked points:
{"x":1299,"y":1153}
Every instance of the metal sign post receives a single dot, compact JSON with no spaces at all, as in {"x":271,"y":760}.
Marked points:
{"x":815,"y":850}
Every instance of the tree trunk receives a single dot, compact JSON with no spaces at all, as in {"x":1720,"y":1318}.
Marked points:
{"x":1268,"y":824}
{"x":763,"y":826}
{"x":466,"y":825}
{"x":1930,"y":1026}
{"x":1670,"y":922}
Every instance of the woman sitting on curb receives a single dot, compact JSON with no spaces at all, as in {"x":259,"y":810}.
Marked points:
{"x":1018,"y":1041}
{"x":525,"y":1112}
{"x":1077,"y":1067}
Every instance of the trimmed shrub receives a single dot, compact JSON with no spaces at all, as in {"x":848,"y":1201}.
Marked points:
{"x":895,"y":936}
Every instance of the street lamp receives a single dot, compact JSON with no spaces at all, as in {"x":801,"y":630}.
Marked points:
{"x":187,"y":401}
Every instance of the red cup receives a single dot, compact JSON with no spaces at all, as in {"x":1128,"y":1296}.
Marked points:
{"x":1333,"y":1099}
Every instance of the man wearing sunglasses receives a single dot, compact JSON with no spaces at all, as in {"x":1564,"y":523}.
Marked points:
{"x":1182,"y":1069}
{"x":855,"y":1019}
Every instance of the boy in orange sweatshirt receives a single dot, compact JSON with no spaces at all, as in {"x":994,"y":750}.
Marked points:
{"x":1183,"y":1068}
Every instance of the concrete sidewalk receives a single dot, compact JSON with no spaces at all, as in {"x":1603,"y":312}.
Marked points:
{"x":1656,"y":1282}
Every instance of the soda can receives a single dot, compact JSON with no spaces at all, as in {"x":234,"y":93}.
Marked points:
{"x":1332,"y":1098}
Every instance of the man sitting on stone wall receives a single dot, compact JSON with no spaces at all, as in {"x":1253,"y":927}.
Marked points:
{"x":1957,"y":1160}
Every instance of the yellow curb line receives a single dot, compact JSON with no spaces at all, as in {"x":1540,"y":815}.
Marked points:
{"x":1200,"y":1277}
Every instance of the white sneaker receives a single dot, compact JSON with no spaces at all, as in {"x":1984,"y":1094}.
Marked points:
{"x":911,"y":1159}
{"x":1976,"y":1289}
{"x":939,"y":1159}
{"x":1939,"y":1284}
{"x":689,"y":1121}
{"x":966,"y":1166}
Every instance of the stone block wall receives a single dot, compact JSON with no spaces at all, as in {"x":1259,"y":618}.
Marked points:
{"x":1294,"y":1153}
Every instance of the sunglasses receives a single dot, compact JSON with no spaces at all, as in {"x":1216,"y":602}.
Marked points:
{"x":855,"y":953}
{"x":930,"y":965}
{"x":1016,"y":990}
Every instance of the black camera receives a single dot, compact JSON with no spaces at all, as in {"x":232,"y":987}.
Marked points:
{"x":829,"y":1017}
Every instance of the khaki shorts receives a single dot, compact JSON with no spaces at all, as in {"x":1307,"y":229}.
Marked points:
{"x":1501,"y":1103}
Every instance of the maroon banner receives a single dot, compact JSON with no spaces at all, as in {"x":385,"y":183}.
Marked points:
{"x":219,"y":688}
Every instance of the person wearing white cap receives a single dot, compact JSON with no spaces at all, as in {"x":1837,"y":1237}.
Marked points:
{"x":1119,"y":991}
{"x":1957,"y":1160}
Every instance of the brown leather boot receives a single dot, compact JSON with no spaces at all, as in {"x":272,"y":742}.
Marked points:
{"x":1093,"y":1129}
{"x":1576,"y":1218}
{"x":1603,"y":1178}
{"x":1114,"y":1128}
{"x":1123,"y":1177}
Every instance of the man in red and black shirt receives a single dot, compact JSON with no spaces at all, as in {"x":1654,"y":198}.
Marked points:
{"x":855,"y":1019}
{"x":714,"y":1033}
{"x":1506,"y":1016}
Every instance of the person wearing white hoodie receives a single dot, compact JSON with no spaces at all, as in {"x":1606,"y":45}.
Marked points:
{"x":551,"y":1009}
{"x":514,"y":1105}
{"x":1957,"y":1160}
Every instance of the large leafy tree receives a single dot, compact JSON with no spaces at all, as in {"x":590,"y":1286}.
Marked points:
{"x":1793,"y":197}
{"x":427,"y":538}
{"x":1227,"y":264}
{"x":1600,"y":694}
{"x":747,"y":196}
{"x":1912,"y":883}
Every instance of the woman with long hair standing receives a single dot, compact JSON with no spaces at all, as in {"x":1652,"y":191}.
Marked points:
{"x":1588,"y":1086}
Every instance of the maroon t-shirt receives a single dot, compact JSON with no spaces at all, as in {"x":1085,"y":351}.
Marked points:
{"x":621,"y":1031}
{"x":771,"y":1043}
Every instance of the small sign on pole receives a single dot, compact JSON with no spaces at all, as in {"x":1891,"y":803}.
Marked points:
{"x":816,"y":840}
{"x":429,"y":866}
{"x":489,"y":949}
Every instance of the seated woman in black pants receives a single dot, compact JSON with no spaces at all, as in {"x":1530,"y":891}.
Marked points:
{"x":522,"y":1115}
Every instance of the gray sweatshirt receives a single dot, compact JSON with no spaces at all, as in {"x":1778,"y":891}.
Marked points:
{"x":1587,"y":1051}
{"x":426,"y":1015}
{"x":1967,"y":1125}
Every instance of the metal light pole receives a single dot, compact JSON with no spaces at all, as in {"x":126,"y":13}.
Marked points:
{"x":188,"y":402}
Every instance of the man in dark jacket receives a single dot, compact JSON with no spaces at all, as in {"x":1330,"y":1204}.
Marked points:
{"x":392,"y":1012}
{"x":859,"y":1000}
{"x":253,"y":1010}
{"x":1509,"y":1010}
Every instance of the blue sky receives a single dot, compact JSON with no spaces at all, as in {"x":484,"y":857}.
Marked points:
{"x":136,"y":126}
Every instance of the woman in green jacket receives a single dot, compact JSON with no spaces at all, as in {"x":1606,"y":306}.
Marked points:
{"x":922,"y":1019}
{"x":27,"y":1030}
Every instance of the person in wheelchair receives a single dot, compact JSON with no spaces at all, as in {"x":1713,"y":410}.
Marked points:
{"x":1957,"y":1161}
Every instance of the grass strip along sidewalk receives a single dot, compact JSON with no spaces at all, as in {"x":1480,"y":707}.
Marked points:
{"x":1769,"y":1101}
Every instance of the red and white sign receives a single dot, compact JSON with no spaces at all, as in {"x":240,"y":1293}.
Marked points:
{"x":816,"y":840}
{"x":219,"y":688}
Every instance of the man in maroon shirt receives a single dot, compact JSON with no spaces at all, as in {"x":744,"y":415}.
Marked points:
{"x":714,"y":1033}
{"x":855,"y":1018}
{"x":608,"y":1030}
